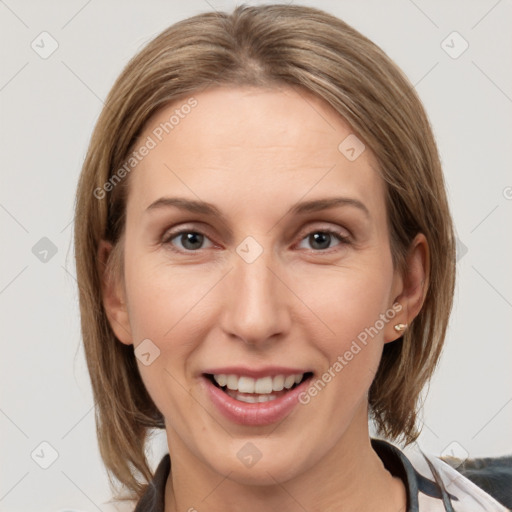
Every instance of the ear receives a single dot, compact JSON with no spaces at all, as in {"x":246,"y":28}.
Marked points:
{"x":113,"y":293}
{"x":410,"y":288}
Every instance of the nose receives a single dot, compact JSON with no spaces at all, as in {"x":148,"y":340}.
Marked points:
{"x":256,"y":306}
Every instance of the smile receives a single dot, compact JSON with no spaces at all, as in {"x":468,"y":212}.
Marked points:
{"x":250,"y":390}
{"x":255,"y":401}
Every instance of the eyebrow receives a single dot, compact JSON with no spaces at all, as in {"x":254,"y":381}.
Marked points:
{"x":205,"y":208}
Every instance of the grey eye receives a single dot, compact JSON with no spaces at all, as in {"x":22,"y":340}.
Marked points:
{"x":187,"y":240}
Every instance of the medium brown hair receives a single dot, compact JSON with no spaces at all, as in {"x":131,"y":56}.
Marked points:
{"x":264,"y":46}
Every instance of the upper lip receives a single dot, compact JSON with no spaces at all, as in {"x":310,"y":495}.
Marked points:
{"x":256,"y":373}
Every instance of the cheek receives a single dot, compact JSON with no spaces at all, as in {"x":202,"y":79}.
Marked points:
{"x":160,"y":297}
{"x":172,"y":308}
{"x":348,"y":301}
{"x":353,"y":306}
{"x":164,"y":305}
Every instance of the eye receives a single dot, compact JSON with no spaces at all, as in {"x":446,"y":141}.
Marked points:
{"x":190,"y":241}
{"x":320,"y":240}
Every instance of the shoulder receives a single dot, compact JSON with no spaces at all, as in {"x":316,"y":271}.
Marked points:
{"x":464,"y":494}
{"x":492,"y":474}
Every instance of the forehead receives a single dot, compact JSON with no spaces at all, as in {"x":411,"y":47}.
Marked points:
{"x":254,"y":148}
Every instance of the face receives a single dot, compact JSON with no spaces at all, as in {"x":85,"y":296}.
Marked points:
{"x":262,"y":286}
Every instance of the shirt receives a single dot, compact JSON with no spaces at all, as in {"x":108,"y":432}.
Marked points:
{"x":431,"y":485}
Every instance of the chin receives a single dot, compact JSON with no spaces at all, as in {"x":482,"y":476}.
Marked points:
{"x":262,"y":461}
{"x":262,"y":473}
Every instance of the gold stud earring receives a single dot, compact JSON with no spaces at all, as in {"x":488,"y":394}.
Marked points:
{"x":400,"y":327}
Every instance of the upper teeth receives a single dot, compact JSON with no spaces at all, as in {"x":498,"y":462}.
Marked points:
{"x":265,"y":385}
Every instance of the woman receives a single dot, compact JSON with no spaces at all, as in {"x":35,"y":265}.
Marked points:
{"x":266,"y":257}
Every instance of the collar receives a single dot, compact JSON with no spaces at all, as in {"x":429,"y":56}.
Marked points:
{"x":415,"y":483}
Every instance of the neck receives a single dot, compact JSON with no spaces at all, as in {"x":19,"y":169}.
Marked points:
{"x":350,"y":477}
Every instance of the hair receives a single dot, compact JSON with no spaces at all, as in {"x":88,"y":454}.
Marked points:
{"x":265,"y":46}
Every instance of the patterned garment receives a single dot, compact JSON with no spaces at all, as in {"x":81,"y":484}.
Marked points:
{"x":431,"y":484}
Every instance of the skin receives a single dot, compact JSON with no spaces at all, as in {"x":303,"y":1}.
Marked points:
{"x":254,"y":153}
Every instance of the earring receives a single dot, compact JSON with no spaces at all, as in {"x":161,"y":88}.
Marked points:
{"x":400,"y":327}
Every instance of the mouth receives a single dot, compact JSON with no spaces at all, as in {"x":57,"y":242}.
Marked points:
{"x":255,"y":400}
{"x":250,"y":390}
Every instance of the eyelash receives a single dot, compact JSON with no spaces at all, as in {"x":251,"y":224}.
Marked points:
{"x":343,"y":239}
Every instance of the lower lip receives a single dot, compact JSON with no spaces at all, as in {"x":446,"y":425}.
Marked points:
{"x":258,"y":414}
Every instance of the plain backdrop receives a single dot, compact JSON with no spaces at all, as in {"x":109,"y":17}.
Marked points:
{"x":48,"y":109}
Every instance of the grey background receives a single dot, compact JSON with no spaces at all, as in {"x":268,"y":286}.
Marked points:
{"x":48,"y":110}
